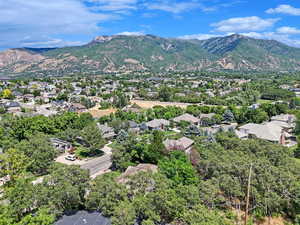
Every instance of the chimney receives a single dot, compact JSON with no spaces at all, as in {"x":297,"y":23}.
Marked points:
{"x":282,"y":138}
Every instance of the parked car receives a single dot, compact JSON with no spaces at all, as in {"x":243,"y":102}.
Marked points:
{"x":70,"y":157}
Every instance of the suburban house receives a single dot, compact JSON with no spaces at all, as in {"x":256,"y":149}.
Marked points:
{"x":219,"y":128}
{"x":12,"y":107}
{"x":286,"y":121}
{"x":133,"y":127}
{"x":18,"y":95}
{"x":61,"y":145}
{"x":28,"y":97}
{"x":132,"y":108}
{"x":83,"y":218}
{"x":275,"y":131}
{"x":204,"y":117}
{"x":46,"y":110}
{"x":187,"y":118}
{"x":158,"y":124}
{"x":184,"y":144}
{"x":77,"y":107}
{"x":106,"y":131}
{"x":296,"y":91}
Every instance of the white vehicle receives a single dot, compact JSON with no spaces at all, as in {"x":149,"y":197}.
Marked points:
{"x":70,"y":157}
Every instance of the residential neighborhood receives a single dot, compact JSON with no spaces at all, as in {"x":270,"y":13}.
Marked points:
{"x":101,"y":131}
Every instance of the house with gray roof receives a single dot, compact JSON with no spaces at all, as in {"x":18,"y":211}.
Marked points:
{"x":158,"y":124}
{"x":83,"y":218}
{"x":285,"y":118}
{"x":273,"y":131}
{"x":267,"y":132}
{"x":106,"y":131}
{"x":12,"y":107}
{"x":184,"y":144}
{"x":61,"y":145}
{"x":188,"y":118}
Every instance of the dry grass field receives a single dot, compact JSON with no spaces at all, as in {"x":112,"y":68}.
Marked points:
{"x":97,"y":113}
{"x":150,"y":104}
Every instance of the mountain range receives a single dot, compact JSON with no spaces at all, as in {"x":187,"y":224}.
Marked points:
{"x":119,"y":53}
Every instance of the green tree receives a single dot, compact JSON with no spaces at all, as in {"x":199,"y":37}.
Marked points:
{"x":156,"y":149}
{"x":200,"y":215}
{"x":92,"y":138}
{"x":297,"y":150}
{"x":178,"y":168}
{"x":228,"y":116}
{"x":42,"y":217}
{"x":21,"y":197}
{"x":7,"y":94}
{"x":13,"y":163}
{"x":129,"y":153}
{"x":124,"y":214}
{"x":40,"y":153}
{"x":83,"y":120}
{"x":165,"y":93}
{"x":36,"y":93}
{"x":120,"y":100}
{"x":106,"y":194}
{"x":64,"y":189}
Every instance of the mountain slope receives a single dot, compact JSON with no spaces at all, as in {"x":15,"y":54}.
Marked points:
{"x":151,"y":53}
{"x":243,"y":53}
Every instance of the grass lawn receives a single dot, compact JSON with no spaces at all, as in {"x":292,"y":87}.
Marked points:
{"x":298,"y":161}
{"x":263,"y":101}
{"x":114,"y":145}
{"x":169,"y":133}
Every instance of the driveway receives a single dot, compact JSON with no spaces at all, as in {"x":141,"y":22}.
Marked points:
{"x":61,"y":159}
{"x":96,"y":166}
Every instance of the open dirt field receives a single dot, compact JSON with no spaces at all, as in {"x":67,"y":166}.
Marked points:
{"x":97,"y":113}
{"x":150,"y":104}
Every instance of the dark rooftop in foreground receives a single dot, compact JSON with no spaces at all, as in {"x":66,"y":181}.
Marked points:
{"x":84,"y":218}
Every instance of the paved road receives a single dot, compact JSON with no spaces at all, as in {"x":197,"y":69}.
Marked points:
{"x":97,"y":165}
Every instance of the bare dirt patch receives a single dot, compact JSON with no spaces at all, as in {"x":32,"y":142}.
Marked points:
{"x":97,"y":113}
{"x":150,"y":104}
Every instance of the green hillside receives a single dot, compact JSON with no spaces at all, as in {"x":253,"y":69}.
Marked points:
{"x":151,"y":53}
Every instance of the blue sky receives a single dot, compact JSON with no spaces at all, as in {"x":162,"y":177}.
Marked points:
{"x":52,"y":23}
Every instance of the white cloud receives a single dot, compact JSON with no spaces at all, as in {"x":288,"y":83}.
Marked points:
{"x":244,"y":24}
{"x":174,"y":7}
{"x":39,"y":19}
{"x":288,"y":30}
{"x":284,"y":38}
{"x":50,"y":43}
{"x":285,"y":9}
{"x":199,"y":36}
{"x":114,"y":5}
{"x":134,"y":33}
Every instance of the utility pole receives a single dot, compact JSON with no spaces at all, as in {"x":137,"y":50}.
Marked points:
{"x":248,"y":195}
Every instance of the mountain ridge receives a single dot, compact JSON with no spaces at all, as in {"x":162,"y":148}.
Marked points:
{"x":121,"y":53}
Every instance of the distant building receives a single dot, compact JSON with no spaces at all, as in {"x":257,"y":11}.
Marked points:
{"x":184,"y":144}
{"x":12,"y":107}
{"x":61,"y":145}
{"x":158,"y":124}
{"x":83,"y":218}
{"x":187,"y":118}
{"x":106,"y":131}
{"x":77,"y":107}
{"x":278,"y":130}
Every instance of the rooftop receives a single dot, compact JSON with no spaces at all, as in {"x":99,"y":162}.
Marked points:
{"x":84,"y":218}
